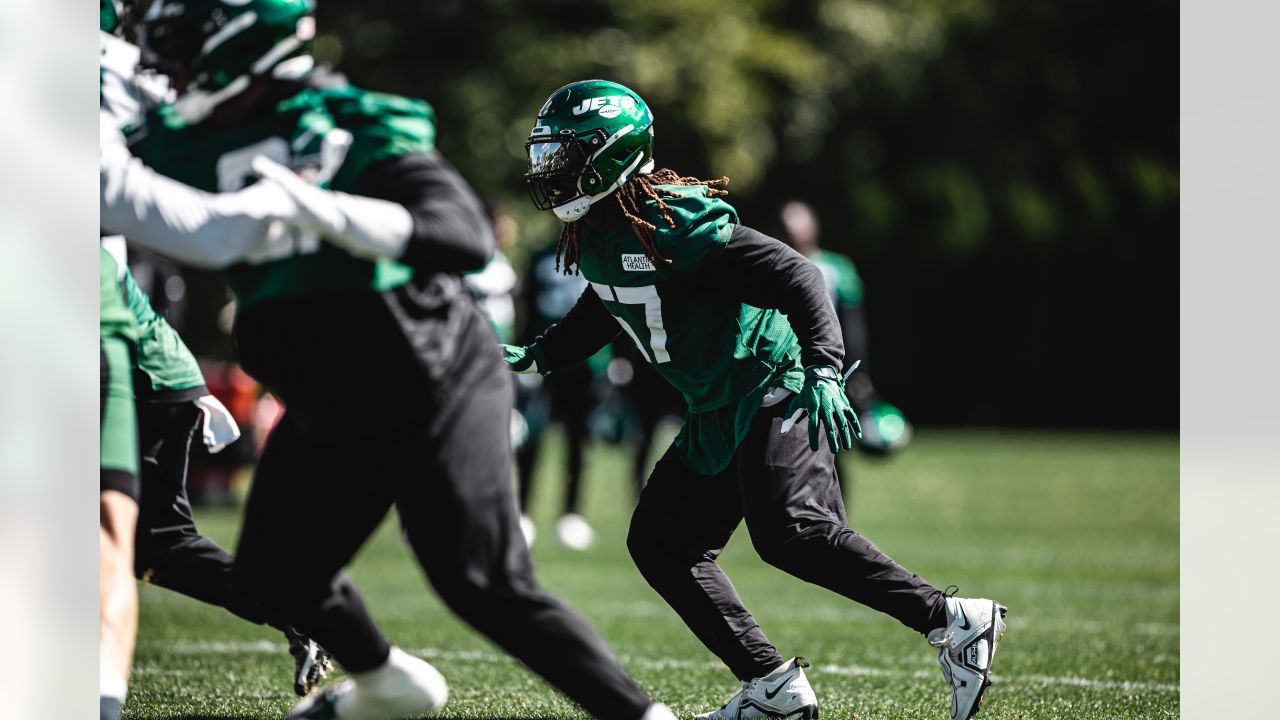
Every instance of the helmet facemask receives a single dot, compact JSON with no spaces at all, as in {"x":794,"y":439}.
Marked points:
{"x":604,"y":138}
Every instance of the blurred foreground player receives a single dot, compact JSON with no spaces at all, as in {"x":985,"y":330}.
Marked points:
{"x":422,"y":421}
{"x":742,"y":326}
{"x":117,"y":489}
{"x":170,"y":399}
{"x":884,"y":427}
{"x":173,"y":407}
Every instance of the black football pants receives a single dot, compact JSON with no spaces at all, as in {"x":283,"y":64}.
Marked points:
{"x":790,"y":498}
{"x":370,"y":426}
{"x":170,"y":552}
{"x":571,"y":402}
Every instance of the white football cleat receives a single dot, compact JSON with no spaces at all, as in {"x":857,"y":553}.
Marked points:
{"x":783,"y":693}
{"x":574,"y":532}
{"x":966,"y":647}
{"x":404,"y":685}
{"x":528,"y":530}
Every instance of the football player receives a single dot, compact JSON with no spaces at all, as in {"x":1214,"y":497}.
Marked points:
{"x":742,"y":326}
{"x":118,"y":489}
{"x":884,"y":427}
{"x":394,"y":395}
{"x":172,"y":401}
{"x":570,"y":395}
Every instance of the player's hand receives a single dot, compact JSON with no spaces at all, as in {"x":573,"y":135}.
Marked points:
{"x":823,"y":398}
{"x":220,"y":429}
{"x":519,"y":358}
{"x":366,"y":227}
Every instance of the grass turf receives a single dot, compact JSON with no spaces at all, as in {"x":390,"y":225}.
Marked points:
{"x":1076,"y":533}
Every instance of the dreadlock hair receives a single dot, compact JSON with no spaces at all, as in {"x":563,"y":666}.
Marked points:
{"x":631,"y":198}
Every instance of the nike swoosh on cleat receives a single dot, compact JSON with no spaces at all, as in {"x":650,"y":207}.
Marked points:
{"x":778,"y":688}
{"x":965,"y":624}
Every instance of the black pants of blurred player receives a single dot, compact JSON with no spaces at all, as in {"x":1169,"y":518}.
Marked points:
{"x":651,"y":398}
{"x":170,"y":552}
{"x":571,"y":400}
{"x":790,"y":498}
{"x":401,"y":399}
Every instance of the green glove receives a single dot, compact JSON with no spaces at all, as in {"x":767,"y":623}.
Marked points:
{"x":521,"y":359}
{"x":823,"y":398}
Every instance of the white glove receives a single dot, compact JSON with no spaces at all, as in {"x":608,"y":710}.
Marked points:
{"x":363,"y":226}
{"x":220,"y":429}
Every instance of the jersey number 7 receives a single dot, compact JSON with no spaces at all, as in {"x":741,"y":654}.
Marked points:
{"x":648,"y":297}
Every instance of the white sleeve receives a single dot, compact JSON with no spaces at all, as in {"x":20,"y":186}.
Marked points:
{"x":191,"y":226}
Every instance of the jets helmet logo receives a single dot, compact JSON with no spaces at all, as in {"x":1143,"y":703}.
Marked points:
{"x":609,"y":106}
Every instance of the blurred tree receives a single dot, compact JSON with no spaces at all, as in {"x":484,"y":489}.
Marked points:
{"x":1004,"y":172}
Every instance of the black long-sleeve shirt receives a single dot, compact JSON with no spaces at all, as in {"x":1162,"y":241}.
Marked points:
{"x":451,"y":231}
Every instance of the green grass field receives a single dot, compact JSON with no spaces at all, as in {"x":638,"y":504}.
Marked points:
{"x":1076,"y":533}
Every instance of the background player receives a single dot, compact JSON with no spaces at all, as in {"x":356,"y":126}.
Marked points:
{"x":884,"y":427}
{"x":570,"y":396}
{"x":422,"y":423}
{"x":118,"y":489}
{"x":742,"y":326}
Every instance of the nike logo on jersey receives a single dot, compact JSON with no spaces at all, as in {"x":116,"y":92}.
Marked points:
{"x":769,"y":695}
{"x":636,"y":262}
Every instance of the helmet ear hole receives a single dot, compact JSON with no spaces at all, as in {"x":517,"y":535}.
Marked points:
{"x":621,"y":156}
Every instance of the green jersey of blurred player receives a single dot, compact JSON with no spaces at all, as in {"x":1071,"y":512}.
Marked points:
{"x":742,"y":326}
{"x":884,"y":427}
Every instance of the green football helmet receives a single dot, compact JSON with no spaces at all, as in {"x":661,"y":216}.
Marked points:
{"x":216,"y":48}
{"x":590,"y":138}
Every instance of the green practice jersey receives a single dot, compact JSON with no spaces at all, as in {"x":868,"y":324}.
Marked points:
{"x":117,"y":333}
{"x":329,"y":135}
{"x":841,"y":277}
{"x":162,"y":355}
{"x":114,"y":317}
{"x":721,"y":354}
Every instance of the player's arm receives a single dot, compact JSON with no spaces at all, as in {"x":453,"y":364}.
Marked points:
{"x":586,"y":328}
{"x":412,"y":208}
{"x":450,"y":230}
{"x":765,"y":273}
{"x":191,"y":226}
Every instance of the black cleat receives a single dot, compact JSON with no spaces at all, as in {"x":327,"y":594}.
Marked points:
{"x":311,"y":662}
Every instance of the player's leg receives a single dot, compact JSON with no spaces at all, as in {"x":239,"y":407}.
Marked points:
{"x":526,"y":465}
{"x":338,"y":479}
{"x":574,"y":406}
{"x":795,"y":514}
{"x":171,"y":552}
{"x":336,"y":483}
{"x":460,"y":517}
{"x":643,"y":445}
{"x":117,"y":598}
{"x":679,"y":528}
{"x":117,"y":521}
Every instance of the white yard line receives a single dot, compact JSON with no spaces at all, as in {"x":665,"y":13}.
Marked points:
{"x":479,"y":656}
